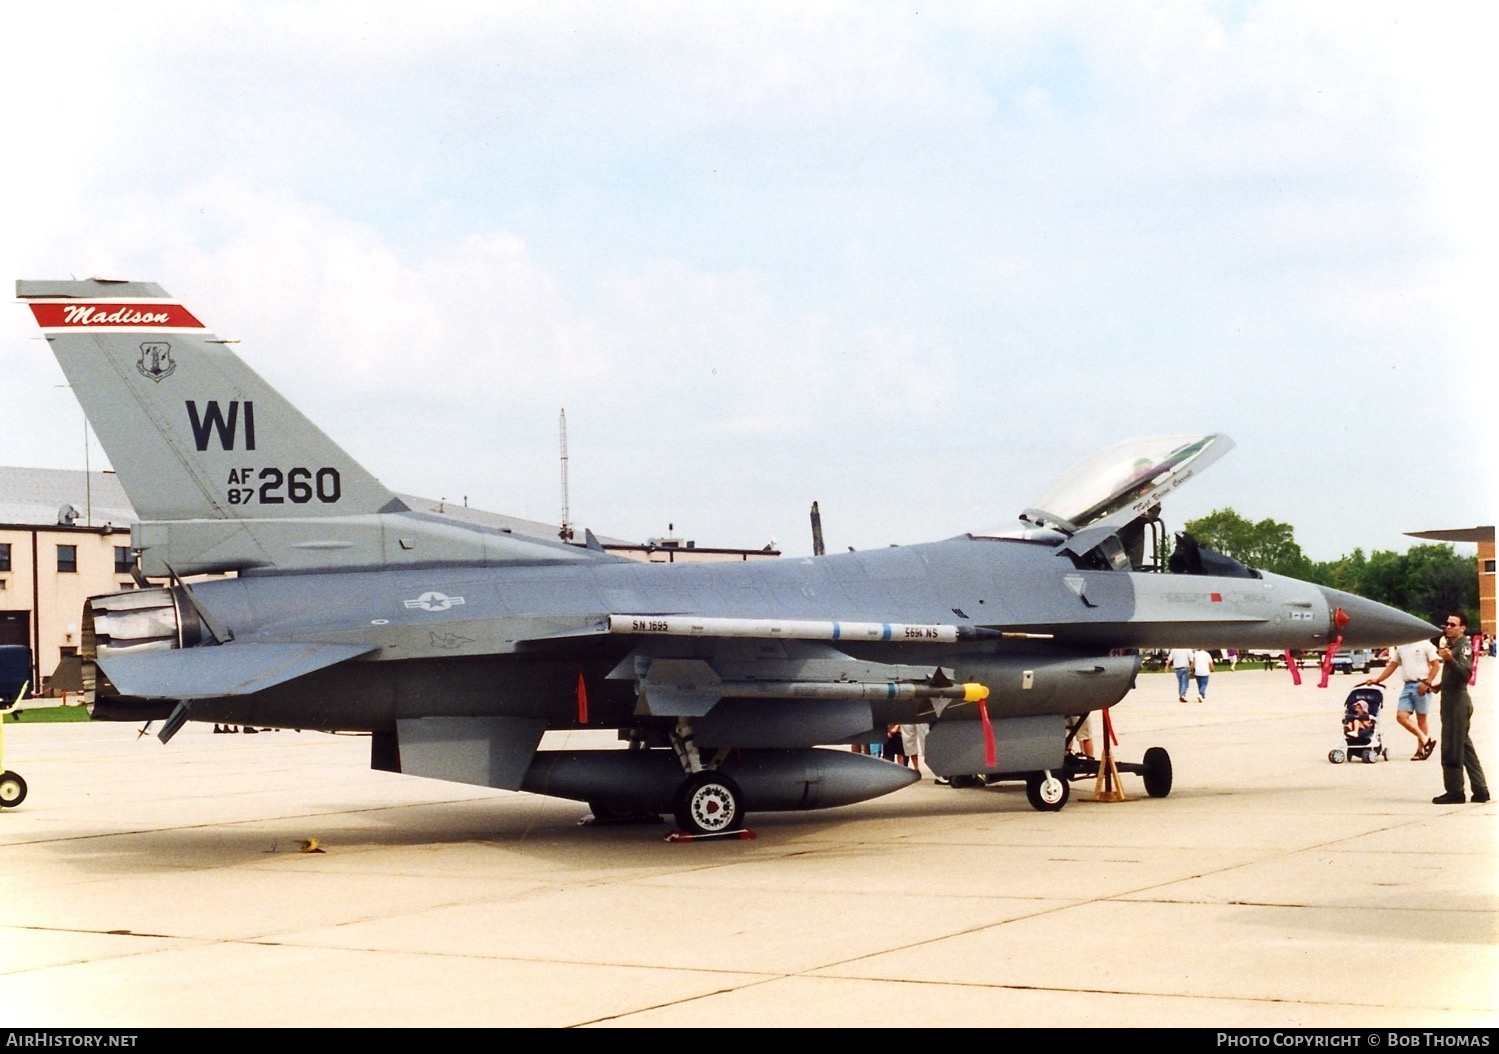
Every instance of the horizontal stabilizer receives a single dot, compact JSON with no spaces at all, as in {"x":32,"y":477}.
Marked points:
{"x":223,"y":670}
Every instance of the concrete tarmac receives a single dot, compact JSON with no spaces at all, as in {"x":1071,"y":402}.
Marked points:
{"x":143,"y":885}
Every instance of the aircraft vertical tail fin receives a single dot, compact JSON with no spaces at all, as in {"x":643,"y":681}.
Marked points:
{"x":192,"y":431}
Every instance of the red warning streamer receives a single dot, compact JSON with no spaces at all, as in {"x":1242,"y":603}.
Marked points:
{"x":1332,"y":652}
{"x":582,"y":699}
{"x":989,"y":754}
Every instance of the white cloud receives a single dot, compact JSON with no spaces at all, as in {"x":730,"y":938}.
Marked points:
{"x":740,"y":240}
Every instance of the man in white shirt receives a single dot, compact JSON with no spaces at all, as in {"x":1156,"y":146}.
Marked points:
{"x":1418,"y":664}
{"x":1181,"y":664}
{"x":1202,"y":666}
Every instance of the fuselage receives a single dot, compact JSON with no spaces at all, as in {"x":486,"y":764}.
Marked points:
{"x":515,"y":640}
{"x":1015,"y":586}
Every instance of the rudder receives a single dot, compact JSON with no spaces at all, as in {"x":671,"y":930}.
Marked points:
{"x":193,"y":432}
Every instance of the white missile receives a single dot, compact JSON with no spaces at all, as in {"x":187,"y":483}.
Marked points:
{"x":790,"y":629}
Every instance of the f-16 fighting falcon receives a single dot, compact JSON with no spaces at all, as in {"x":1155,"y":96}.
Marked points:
{"x":457,"y":647}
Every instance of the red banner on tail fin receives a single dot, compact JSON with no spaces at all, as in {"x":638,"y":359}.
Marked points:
{"x":150,"y":314}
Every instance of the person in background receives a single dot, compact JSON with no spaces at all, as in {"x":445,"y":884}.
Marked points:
{"x":1458,"y":755}
{"x":1083,"y":740}
{"x":913,"y":739}
{"x":1418,"y":665}
{"x":895,"y":748}
{"x":1202,"y":668}
{"x":1181,"y":664}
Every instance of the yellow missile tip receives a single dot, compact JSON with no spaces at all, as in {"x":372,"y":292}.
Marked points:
{"x":975,"y":693}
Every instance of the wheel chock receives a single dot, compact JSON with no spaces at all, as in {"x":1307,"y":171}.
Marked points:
{"x":744,"y":834}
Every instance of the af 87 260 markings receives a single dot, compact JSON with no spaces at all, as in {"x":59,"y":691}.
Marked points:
{"x":232,"y":423}
{"x":276,"y":486}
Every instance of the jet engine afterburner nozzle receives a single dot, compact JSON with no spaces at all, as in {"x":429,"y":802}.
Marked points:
{"x":136,"y":620}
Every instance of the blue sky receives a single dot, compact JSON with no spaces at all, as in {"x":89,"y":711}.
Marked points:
{"x":912,"y":263}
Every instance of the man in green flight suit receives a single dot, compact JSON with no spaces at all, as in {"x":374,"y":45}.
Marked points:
{"x":1458,"y":755}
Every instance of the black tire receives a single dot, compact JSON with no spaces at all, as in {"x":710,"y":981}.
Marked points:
{"x":12,"y":790}
{"x":709,"y":802}
{"x":1047,"y":791}
{"x":965,"y":781}
{"x":1157,"y":774}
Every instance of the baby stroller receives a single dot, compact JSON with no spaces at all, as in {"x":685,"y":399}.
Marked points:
{"x":1361,"y":738}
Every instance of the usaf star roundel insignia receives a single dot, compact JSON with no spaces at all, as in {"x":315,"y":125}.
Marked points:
{"x":432,"y":600}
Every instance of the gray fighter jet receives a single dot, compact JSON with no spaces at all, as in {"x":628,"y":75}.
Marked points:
{"x":458,"y":647}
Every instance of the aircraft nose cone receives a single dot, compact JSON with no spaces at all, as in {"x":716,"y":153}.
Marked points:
{"x":1374,"y":625}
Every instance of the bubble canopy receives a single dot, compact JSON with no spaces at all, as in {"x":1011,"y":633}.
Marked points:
{"x":1124,"y":481}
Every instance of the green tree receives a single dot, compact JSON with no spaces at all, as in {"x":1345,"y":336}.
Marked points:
{"x":1345,"y":573}
{"x":1426,"y":580}
{"x":1264,"y":546}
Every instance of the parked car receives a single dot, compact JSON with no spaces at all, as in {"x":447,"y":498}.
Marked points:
{"x":1360,"y":659}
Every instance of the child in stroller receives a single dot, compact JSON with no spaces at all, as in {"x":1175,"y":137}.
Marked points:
{"x":1361,"y":738}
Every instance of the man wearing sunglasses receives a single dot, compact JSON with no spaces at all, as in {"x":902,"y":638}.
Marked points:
{"x":1458,"y":755}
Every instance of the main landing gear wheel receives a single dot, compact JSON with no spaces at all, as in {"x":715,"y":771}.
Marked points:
{"x":1046,"y":792}
{"x":12,"y":790}
{"x":1157,"y":774}
{"x":709,"y":802}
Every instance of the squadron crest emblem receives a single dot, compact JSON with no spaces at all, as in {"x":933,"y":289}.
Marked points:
{"x":156,"y":361}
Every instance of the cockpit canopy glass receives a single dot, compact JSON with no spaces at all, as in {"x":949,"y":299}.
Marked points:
{"x":1132,"y":475}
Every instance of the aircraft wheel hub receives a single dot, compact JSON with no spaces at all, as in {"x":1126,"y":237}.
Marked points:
{"x":711,"y":807}
{"x":710,"y":803}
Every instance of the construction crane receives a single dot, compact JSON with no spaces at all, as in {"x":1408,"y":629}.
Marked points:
{"x":565,"y":532}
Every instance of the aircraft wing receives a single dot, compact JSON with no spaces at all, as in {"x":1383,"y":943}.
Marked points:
{"x":222,"y":670}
